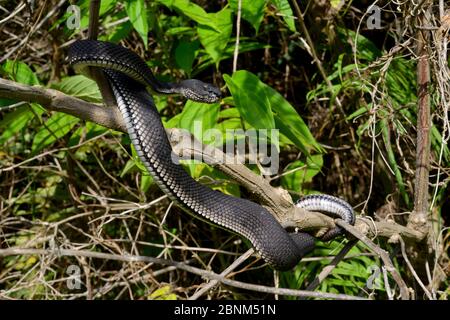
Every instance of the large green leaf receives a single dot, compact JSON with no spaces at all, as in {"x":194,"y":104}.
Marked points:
{"x":199,"y":117}
{"x":14,"y":122}
{"x":264,"y":107}
{"x":137,"y":12}
{"x":185,"y":54}
{"x":81,"y":87}
{"x":301,"y":173}
{"x":290,"y":123}
{"x":285,"y":10}
{"x":206,"y":60}
{"x":251,"y":100}
{"x":20,"y":72}
{"x":215,"y":41}
{"x":17,"y":120}
{"x":192,"y":11}
{"x":57,"y":126}
{"x":251,"y":10}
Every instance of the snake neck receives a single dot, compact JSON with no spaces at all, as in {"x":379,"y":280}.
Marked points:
{"x":168,"y":88}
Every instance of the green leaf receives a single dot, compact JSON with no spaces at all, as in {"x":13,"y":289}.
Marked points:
{"x":81,"y":87}
{"x":185,"y":54}
{"x":285,"y":10}
{"x":173,"y":122}
{"x":206,"y":60}
{"x":14,"y":122}
{"x":199,"y":117}
{"x":121,"y":32}
{"x":229,"y":113}
{"x":251,"y":11}
{"x":290,"y":123}
{"x":57,"y":126}
{"x":251,"y":100}
{"x":226,"y":186}
{"x":301,"y":173}
{"x":20,"y":72}
{"x":137,"y":12}
{"x":163,"y":293}
{"x":146,"y":182}
{"x":263,"y":107}
{"x":192,"y":11}
{"x":215,"y":41}
{"x":89,"y":131}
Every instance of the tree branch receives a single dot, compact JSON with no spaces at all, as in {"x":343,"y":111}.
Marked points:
{"x":277,"y":200}
{"x":178,"y":265}
{"x":384,"y":256}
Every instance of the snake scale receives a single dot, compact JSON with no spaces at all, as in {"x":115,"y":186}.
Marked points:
{"x":129,"y":76}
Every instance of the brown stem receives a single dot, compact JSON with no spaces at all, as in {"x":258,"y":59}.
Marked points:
{"x":275,"y":199}
{"x":418,"y":219}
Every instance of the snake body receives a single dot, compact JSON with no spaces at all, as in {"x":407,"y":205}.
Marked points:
{"x":128,"y":76}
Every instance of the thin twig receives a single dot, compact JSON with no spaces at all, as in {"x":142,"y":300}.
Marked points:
{"x":224,"y":273}
{"x":238,"y":32}
{"x":411,"y":268}
{"x":404,"y":291}
{"x":330,"y":267}
{"x":179,"y":265}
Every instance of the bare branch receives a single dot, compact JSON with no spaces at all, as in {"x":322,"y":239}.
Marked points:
{"x":277,"y":200}
{"x":384,"y":256}
{"x":179,"y":265}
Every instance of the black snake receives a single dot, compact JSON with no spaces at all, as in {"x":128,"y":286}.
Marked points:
{"x":128,"y":76}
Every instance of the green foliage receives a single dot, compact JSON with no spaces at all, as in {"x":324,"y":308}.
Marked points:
{"x":251,"y":10}
{"x":81,"y":87}
{"x":348,"y":277}
{"x":137,"y":12}
{"x":215,"y":41}
{"x":55,"y":128}
{"x":182,"y":39}
{"x":299,"y":174}
{"x":285,"y":10}
{"x":264,"y":108}
{"x":19,"y":72}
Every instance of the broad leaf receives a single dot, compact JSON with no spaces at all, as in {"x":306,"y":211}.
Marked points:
{"x":215,"y":41}
{"x":251,"y":100}
{"x":285,"y":10}
{"x":199,"y":117}
{"x":251,"y":11}
{"x":185,"y":54}
{"x":20,"y":72}
{"x":301,"y":173}
{"x":137,"y":13}
{"x":192,"y":11}
{"x":81,"y":87}
{"x":14,"y":122}
{"x":264,"y":107}
{"x":57,"y":126}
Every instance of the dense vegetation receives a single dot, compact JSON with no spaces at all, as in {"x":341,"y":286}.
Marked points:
{"x":342,"y":92}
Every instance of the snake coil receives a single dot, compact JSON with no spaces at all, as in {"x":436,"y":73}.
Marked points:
{"x":128,"y":76}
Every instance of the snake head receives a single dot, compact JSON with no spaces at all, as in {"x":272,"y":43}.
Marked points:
{"x":199,"y":91}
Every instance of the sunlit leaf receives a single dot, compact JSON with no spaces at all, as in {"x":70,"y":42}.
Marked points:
{"x":56,"y":127}
{"x":20,"y":72}
{"x":215,"y":41}
{"x":81,"y":87}
{"x":285,"y":11}
{"x":137,"y":12}
{"x":251,"y":11}
{"x":251,"y":100}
